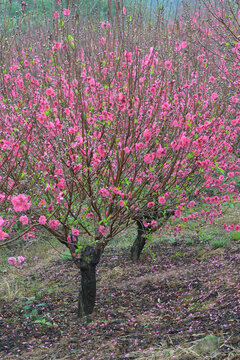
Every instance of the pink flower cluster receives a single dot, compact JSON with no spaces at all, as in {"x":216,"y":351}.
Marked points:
{"x":14,"y":262}
{"x":21,"y":202}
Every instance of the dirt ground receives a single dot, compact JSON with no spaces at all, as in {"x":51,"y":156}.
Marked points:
{"x":188,"y":291}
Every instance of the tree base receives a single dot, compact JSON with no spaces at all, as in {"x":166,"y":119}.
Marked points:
{"x":87,"y":294}
{"x":139,"y":242}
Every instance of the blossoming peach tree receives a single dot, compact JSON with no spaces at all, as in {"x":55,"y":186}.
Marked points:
{"x":98,"y":136}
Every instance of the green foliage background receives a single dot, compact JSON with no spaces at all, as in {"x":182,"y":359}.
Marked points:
{"x":11,"y":11}
{"x":14,"y":8}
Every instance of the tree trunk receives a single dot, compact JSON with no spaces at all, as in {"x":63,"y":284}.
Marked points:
{"x":89,"y":259}
{"x":139,"y":242}
{"x":109,"y":10}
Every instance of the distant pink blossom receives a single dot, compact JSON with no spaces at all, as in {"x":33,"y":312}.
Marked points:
{"x":3,"y":235}
{"x":129,"y":195}
{"x":56,"y":15}
{"x":42,"y":220}
{"x":123,"y":107}
{"x":226,"y":198}
{"x":12,"y":261}
{"x":121,"y":98}
{"x":160,"y":151}
{"x":124,"y":10}
{"x":121,"y":203}
{"x":191,"y":204}
{"x":161,"y":200}
{"x":66,"y":12}
{"x":212,"y":79}
{"x":21,"y":259}
{"x":58,"y":172}
{"x":67,"y":111}
{"x":150,"y":204}
{"x":214,"y":96}
{"x":168,"y":64}
{"x":178,"y":213}
{"x":104,"y":192}
{"x":24,"y":219}
{"x":75,"y":232}
{"x":139,"y":146}
{"x":106,"y":25}
{"x":128,"y":56}
{"x":90,"y":120}
{"x":100,"y":150}
{"x":20,"y":203}
{"x":102,"y":229}
{"x":146,"y":224}
{"x":184,"y":141}
{"x":166,"y":106}
{"x":183,"y":44}
{"x":230,"y":227}
{"x":131,"y":112}
{"x":42,"y":203}
{"x":30,"y":234}
{"x":53,"y":224}
{"x":41,"y":118}
{"x":58,"y":45}
{"x":234,"y":122}
{"x":147,"y":134}
{"x":154,"y":223}
{"x":148,"y":158}
{"x":119,"y":75}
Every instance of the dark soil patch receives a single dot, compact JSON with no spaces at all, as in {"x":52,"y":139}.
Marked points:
{"x":185,"y":294}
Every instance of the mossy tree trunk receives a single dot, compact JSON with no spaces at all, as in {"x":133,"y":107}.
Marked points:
{"x":87,"y":294}
{"x":142,"y":232}
{"x":139,"y":242}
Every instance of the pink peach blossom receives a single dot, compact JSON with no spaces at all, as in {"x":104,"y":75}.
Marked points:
{"x":24,"y":219}
{"x":12,"y":261}
{"x":42,"y":220}
{"x":21,"y":259}
{"x":20,"y":202}
{"x":214,"y":96}
{"x":168,"y":64}
{"x":121,"y":203}
{"x":54,"y":224}
{"x":66,"y":12}
{"x":3,"y":235}
{"x":161,"y":200}
{"x":75,"y":232}
{"x":148,"y":158}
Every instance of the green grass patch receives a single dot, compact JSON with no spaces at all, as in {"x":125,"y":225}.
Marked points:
{"x":235,"y":235}
{"x":219,"y":243}
{"x":125,"y":239}
{"x":66,"y":255}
